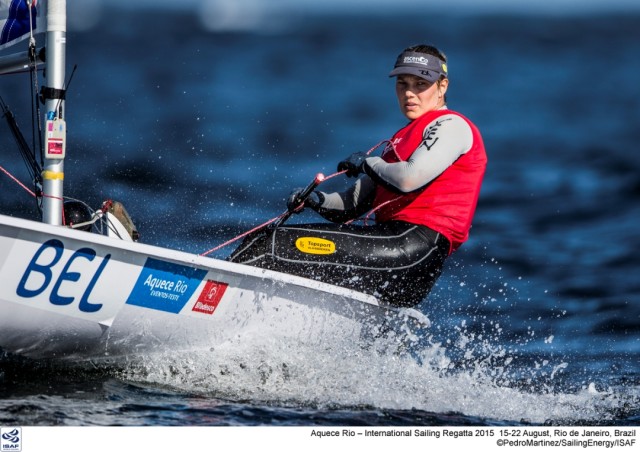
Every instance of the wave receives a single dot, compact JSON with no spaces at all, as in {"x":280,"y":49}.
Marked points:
{"x":471,"y":377}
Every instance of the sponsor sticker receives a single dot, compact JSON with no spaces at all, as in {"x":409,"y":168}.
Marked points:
{"x":315,"y":245}
{"x":416,"y":60}
{"x":11,"y":439}
{"x":165,"y":286}
{"x":55,"y":138}
{"x":210,"y":297}
{"x":55,"y":147}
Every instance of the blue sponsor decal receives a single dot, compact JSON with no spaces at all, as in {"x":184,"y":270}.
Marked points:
{"x":165,"y":286}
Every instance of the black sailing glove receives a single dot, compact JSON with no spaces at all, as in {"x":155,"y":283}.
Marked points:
{"x":295,"y":205}
{"x":354,"y":164}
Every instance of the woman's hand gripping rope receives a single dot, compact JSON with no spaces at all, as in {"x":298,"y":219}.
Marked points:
{"x":297,"y":205}
{"x":352,"y":166}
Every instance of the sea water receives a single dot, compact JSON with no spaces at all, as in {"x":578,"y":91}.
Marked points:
{"x":203,"y":133}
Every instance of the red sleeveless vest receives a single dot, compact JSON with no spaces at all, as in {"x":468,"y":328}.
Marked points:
{"x":448,"y":202}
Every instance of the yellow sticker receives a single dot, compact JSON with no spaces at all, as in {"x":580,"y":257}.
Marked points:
{"x":315,"y":245}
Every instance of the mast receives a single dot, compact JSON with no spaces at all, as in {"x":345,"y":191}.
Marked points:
{"x":55,"y":127}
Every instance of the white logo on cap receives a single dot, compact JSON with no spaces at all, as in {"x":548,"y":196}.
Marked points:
{"x":416,"y":60}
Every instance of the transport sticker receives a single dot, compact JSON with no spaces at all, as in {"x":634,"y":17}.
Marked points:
{"x":165,"y":286}
{"x":315,"y":245}
{"x":210,"y":297}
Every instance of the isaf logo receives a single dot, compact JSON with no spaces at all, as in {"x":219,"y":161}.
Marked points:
{"x":11,"y":439}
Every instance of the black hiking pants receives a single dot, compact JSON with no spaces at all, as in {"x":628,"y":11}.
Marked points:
{"x":397,"y":262}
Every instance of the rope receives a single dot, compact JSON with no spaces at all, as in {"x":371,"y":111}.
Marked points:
{"x":388,"y":145}
{"x":33,"y":75}
{"x":244,"y":234}
{"x":64,"y":221}
{"x":11,"y":176}
{"x":374,"y":210}
{"x":28,"y":190}
{"x":257,"y":228}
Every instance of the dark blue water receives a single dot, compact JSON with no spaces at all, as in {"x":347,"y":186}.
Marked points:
{"x":202,"y":135}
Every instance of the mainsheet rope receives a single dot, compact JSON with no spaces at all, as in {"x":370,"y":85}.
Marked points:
{"x":320,"y":178}
{"x":27,"y":189}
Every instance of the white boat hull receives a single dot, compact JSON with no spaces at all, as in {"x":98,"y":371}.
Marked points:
{"x":73,"y":295}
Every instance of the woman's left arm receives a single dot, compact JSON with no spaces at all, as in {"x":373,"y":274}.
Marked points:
{"x":444,"y":140}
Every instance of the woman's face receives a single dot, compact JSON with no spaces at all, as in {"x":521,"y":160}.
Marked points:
{"x":417,"y":96}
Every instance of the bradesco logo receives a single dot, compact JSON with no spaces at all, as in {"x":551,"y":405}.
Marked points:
{"x":165,"y":286}
{"x":210,"y":297}
{"x":49,"y":270}
{"x":11,"y":439}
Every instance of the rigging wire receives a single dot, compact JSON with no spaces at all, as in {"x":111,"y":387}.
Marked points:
{"x":98,"y":217}
{"x":28,"y":153}
{"x":36,"y":125}
{"x":33,"y":167}
{"x":31,"y":153}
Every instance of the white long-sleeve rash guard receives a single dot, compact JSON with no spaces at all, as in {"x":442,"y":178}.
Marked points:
{"x":445,"y":139}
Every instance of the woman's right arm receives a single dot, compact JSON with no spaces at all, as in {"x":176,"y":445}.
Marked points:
{"x":350,"y":204}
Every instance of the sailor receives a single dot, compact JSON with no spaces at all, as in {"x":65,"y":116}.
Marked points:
{"x":423,"y":189}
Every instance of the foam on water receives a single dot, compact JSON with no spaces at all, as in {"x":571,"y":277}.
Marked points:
{"x":395,"y":373}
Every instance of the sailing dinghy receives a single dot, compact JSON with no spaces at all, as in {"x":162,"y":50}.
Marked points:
{"x":67,"y":294}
